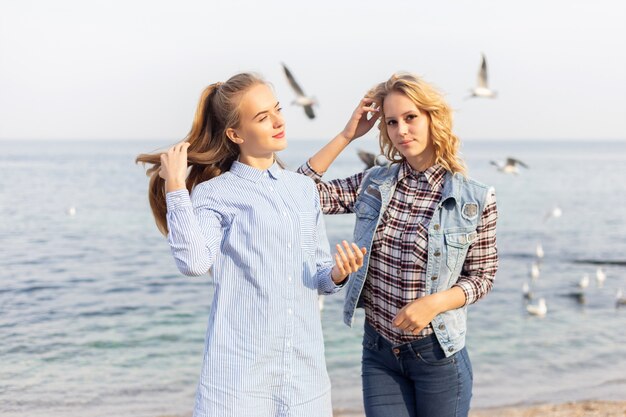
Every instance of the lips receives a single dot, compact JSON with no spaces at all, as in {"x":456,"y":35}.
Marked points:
{"x":280,"y":135}
{"x":405,"y":142}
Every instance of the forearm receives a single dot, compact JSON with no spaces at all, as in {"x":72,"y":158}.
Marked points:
{"x":327,"y":155}
{"x":193,"y":252}
{"x":450,"y":299}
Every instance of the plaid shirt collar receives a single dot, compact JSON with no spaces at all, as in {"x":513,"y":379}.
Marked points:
{"x":435,"y":174}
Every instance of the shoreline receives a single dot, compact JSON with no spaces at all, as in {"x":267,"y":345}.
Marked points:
{"x":587,"y":408}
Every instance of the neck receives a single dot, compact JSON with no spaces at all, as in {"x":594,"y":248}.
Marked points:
{"x":421,"y":163}
{"x":259,"y":162}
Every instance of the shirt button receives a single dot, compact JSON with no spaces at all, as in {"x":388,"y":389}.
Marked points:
{"x":288,"y":344}
{"x":442,"y":327}
{"x":451,"y":349}
{"x":285,"y":213}
{"x":398,"y":271}
{"x":437,"y":253}
{"x":290,"y":311}
{"x":288,"y":245}
{"x":434,"y":277}
{"x":289,"y":278}
{"x":436,"y":227}
{"x":271,"y":188}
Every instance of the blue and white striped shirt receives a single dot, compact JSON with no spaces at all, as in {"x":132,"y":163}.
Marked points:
{"x":261,"y":233}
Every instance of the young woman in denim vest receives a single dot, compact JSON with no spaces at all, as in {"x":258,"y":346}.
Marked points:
{"x":431,"y":250}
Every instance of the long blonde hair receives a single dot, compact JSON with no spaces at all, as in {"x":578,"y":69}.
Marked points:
{"x":210,"y":151}
{"x":431,"y":102}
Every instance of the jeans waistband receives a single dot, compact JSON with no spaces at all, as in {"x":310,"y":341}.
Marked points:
{"x":423,"y":343}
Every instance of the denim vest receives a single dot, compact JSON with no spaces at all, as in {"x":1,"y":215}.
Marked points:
{"x":450,"y":232}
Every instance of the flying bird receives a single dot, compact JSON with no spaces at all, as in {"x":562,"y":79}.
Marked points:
{"x":555,"y":213}
{"x":510,"y":166}
{"x":370,"y":160}
{"x":482,"y":89}
{"x":301,"y":99}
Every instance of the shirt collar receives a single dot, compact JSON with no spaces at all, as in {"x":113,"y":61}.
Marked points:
{"x":434,"y":175}
{"x":254,"y":174}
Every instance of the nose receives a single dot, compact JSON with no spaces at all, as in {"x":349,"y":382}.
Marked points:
{"x":403,"y":128}
{"x":279,"y":121}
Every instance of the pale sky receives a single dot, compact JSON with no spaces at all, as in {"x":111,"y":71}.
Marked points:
{"x":94,"y":69}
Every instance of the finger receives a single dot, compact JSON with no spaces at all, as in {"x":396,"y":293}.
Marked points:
{"x":353,"y":262}
{"x":338,"y":262}
{"x":343,"y":256}
{"x":357,"y":254}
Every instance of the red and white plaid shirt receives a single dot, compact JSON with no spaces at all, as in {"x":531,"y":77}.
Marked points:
{"x":397,"y":266}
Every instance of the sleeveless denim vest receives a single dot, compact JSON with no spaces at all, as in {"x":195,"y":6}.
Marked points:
{"x":450,"y":232}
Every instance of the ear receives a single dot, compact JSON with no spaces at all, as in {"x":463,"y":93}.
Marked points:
{"x":233,"y":136}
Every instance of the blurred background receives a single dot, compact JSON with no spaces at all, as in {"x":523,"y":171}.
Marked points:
{"x":95,"y":318}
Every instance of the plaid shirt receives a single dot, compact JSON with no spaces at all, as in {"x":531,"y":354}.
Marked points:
{"x":397,"y":266}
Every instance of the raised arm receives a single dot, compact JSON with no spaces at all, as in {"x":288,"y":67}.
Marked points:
{"x":338,"y":196}
{"x":358,"y":125}
{"x":194,"y":234}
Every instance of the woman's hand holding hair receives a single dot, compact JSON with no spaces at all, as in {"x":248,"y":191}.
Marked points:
{"x":347,"y":261}
{"x":174,"y":167}
{"x":359,"y":124}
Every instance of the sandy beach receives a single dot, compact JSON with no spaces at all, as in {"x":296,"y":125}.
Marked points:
{"x":570,"y":409}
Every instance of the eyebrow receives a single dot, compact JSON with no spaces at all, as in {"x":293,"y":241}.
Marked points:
{"x":265,"y":111}
{"x":403,"y":114}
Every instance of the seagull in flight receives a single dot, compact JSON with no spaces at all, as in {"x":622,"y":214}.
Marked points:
{"x":510,"y":166}
{"x":482,"y":89}
{"x":301,"y":98}
{"x":370,"y":160}
{"x":555,"y":213}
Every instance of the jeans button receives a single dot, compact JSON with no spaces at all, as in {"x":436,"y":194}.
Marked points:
{"x":437,"y":253}
{"x":451,"y":349}
{"x":442,"y":327}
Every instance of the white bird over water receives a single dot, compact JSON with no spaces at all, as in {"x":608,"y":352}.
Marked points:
{"x":71,"y":211}
{"x":555,"y":213}
{"x":370,"y":160}
{"x":534,"y":271}
{"x":540,"y":309}
{"x":301,"y":98}
{"x":526,"y":291}
{"x":510,"y":166}
{"x":482,"y":89}
{"x":620,"y":300}
{"x":539,"y":251}
{"x":584,"y":282}
{"x":600,"y":277}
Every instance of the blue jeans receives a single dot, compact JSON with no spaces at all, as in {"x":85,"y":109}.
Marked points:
{"x":414,"y":379}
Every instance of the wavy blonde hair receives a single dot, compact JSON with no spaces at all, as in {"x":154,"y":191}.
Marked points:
{"x":429,"y":101}
{"x":210,"y":151}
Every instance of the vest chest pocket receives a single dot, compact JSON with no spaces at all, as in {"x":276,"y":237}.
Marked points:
{"x":456,"y":246}
{"x":366,"y":210}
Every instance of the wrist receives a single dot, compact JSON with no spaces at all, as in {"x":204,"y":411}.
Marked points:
{"x":337,"y":277}
{"x":174,"y":186}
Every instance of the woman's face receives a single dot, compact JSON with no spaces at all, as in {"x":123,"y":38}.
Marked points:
{"x":409,"y":130}
{"x":261,"y":130}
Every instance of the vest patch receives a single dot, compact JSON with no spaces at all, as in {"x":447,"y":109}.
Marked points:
{"x":470,"y":211}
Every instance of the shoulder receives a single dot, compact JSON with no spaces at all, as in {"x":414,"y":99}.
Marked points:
{"x":299,"y":180}
{"x":213,"y":190}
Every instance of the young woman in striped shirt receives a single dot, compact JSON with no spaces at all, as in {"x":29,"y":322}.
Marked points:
{"x":259,"y":229}
{"x":430,"y":236}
